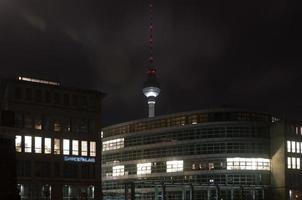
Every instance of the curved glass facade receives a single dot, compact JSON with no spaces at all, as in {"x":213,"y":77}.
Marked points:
{"x":206,"y":154}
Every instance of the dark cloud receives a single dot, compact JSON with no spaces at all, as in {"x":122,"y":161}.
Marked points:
{"x":208,"y":53}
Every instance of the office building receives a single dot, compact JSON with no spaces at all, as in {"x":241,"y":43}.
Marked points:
{"x":227,"y":154}
{"x":56,"y":130}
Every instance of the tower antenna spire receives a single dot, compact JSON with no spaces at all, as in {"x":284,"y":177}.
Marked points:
{"x":151,"y":59}
{"x":151,"y":87}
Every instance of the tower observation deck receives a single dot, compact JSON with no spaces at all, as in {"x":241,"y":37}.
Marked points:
{"x":151,"y":90}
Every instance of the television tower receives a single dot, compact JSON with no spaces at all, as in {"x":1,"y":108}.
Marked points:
{"x":151,"y":87}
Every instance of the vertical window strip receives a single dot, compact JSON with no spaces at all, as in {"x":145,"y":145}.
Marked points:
{"x":288,"y":146}
{"x":289,"y":163}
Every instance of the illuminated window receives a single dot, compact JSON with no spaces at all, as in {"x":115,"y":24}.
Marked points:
{"x":289,"y":162}
{"x":75,"y":147}
{"x":56,"y":126}
{"x":175,"y":166}
{"x":293,"y":146}
{"x":293,"y":163}
{"x":47,"y":145}
{"x":38,"y":145}
{"x":143,"y":168}
{"x":211,"y":166}
{"x":18,"y":143}
{"x":38,"y":123}
{"x":118,"y":170}
{"x":57,"y":146}
{"x":248,"y":164}
{"x":92,"y":149}
{"x":27,"y":144}
{"x":288,"y":146}
{"x":113,"y":144}
{"x":84,"y":148}
{"x":297,"y":130}
{"x":298,"y":147}
{"x":66,"y":147}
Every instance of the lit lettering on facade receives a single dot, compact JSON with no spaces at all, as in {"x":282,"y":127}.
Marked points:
{"x":79,"y":159}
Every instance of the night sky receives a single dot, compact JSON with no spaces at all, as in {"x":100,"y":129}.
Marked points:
{"x":244,"y":54}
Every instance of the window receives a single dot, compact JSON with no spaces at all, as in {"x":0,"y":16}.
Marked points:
{"x":293,"y":146}
{"x":28,"y":121}
{"x":27,"y":144}
{"x":84,"y":148}
{"x":211,"y":166}
{"x":288,"y":146}
{"x":297,"y":130}
{"x":65,"y":125}
{"x":47,"y":145}
{"x":38,"y":95}
{"x":47,"y":97}
{"x":57,"y":98}
{"x":143,"y":168}
{"x":28,"y":94}
{"x":298,"y":147}
{"x":18,"y":143}
{"x":38,"y":123}
{"x":66,"y":147}
{"x":175,"y":166}
{"x":83,"y":126}
{"x":300,"y":130}
{"x":18,"y":93}
{"x":248,"y":164}
{"x":66,"y":99}
{"x":118,"y":170}
{"x":75,"y":147}
{"x":56,"y":126}
{"x":38,"y":144}
{"x":75,"y":100}
{"x":57,"y":146}
{"x":18,"y":120}
{"x":293,"y":163}
{"x":113,"y":144}
{"x":92,"y":149}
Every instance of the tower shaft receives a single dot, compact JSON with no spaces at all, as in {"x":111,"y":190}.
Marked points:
{"x":151,"y":106}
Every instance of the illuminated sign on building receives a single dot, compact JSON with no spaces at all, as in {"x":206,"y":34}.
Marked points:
{"x":79,"y":159}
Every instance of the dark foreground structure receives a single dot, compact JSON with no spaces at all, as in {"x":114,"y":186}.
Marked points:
{"x":8,"y":189}
{"x":56,"y":130}
{"x":203,"y":155}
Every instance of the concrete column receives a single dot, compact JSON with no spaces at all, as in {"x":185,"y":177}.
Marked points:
{"x":164,"y":192}
{"x":126,"y":191}
{"x":132,"y":191}
{"x":191,"y":192}
{"x":232,"y":194}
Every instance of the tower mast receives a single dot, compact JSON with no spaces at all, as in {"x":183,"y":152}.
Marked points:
{"x":151,"y":87}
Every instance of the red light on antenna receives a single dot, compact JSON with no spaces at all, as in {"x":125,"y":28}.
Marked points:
{"x":151,"y":72}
